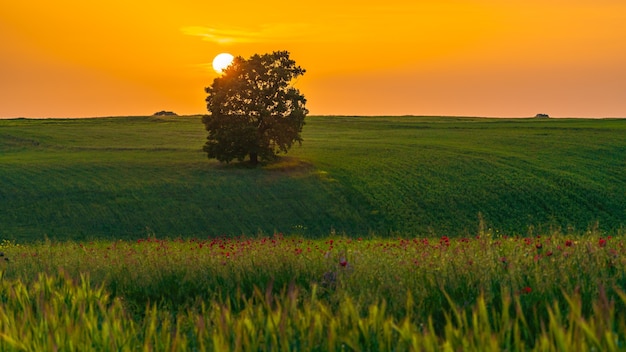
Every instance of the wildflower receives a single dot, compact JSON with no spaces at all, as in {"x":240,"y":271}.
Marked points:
{"x":445,"y":240}
{"x":568,"y":243}
{"x":527,"y":290}
{"x":602,"y":242}
{"x":548,"y":253}
{"x":343,"y":262}
{"x":539,"y":245}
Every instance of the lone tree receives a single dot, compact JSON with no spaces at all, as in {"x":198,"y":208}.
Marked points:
{"x":254,"y":110}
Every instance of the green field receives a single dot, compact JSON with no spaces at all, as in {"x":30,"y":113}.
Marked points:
{"x":126,"y":178}
{"x":400,"y":233}
{"x":483,"y":293}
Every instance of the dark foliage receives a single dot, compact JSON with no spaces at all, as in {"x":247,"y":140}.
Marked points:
{"x":254,"y":110}
{"x":165,"y":113}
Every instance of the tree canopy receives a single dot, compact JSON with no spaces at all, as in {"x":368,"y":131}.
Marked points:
{"x":254,"y":110}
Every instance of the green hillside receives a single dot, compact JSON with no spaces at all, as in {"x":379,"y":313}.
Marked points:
{"x":136,"y":176}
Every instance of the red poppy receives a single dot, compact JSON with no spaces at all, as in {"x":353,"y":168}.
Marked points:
{"x":343,"y":262}
{"x":445,"y":240}
{"x":568,"y":243}
{"x":602,"y":242}
{"x":527,"y":290}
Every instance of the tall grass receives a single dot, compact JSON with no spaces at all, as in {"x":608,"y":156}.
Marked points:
{"x":57,"y":313}
{"x":550,"y":292}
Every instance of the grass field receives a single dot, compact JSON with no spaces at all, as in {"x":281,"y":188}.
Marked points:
{"x":125,"y":178}
{"x":401,"y":233}
{"x":553,"y":292}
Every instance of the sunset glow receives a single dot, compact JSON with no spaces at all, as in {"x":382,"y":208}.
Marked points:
{"x":71,"y":58}
{"x":221,"y":61}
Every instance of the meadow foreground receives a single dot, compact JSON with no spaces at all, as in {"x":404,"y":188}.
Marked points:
{"x":485,"y":292}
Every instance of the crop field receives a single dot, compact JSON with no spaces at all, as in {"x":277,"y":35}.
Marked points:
{"x":132,"y":177}
{"x":487,"y":292}
{"x":378,"y":233}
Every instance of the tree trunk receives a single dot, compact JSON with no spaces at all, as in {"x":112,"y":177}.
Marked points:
{"x":254,"y":158}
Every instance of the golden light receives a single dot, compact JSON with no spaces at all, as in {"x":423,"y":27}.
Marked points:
{"x":221,"y":61}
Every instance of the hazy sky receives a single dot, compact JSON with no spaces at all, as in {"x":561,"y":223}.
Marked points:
{"x":77,"y":58}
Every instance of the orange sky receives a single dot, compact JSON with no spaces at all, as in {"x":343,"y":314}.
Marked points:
{"x":77,"y":58}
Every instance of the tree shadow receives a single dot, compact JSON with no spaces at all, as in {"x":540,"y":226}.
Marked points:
{"x":286,"y":164}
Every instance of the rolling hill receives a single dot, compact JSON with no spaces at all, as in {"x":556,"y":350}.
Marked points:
{"x":131,"y":177}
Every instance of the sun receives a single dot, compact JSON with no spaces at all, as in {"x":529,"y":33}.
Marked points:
{"x":221,"y":61}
